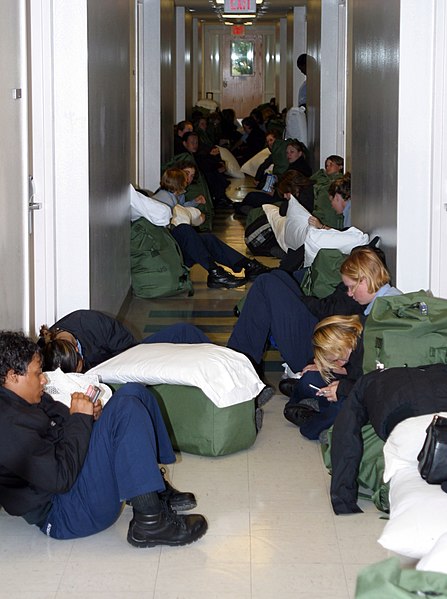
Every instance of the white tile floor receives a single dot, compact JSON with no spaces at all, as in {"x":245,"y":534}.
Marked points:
{"x":272,"y":533}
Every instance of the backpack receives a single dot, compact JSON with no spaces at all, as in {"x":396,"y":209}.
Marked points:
{"x":406,"y":330}
{"x":259,"y":237}
{"x":156,"y":262}
{"x":323,"y":276}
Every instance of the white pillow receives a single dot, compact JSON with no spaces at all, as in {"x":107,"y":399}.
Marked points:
{"x":186,"y":215}
{"x":232,"y":167}
{"x":277,"y":222}
{"x":251,"y":166}
{"x":418,"y":514}
{"x":332,"y":239}
{"x":297,"y":224}
{"x":224,"y":375}
{"x":156,"y":212}
{"x":404,"y":444}
{"x":436,"y":559}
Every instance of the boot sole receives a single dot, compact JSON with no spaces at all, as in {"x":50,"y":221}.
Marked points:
{"x":182,"y":506}
{"x":221,"y":286}
{"x":144,"y":543}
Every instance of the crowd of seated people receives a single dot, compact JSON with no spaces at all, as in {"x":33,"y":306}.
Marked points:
{"x":321,"y":338}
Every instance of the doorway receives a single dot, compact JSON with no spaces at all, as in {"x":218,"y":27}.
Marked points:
{"x":242,"y":73}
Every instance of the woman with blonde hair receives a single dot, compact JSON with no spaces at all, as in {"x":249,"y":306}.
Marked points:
{"x":325,"y":383}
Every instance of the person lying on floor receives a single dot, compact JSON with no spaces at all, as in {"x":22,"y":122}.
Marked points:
{"x":69,"y":470}
{"x":201,"y":248}
{"x":316,"y":397}
{"x":85,"y":338}
{"x":276,"y":307}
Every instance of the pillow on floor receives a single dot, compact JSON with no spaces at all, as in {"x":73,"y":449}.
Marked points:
{"x":224,"y":375}
{"x":232,"y":168}
{"x":251,"y":166}
{"x":418,"y":514}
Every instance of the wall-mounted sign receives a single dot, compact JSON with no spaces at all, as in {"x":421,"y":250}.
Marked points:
{"x":241,"y":7}
{"x":238,"y":30}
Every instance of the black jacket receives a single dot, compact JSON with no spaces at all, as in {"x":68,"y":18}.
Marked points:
{"x":101,"y":336}
{"x":42,"y":450}
{"x":337,"y":302}
{"x":383,"y":398}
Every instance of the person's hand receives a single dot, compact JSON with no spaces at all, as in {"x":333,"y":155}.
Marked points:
{"x":329,"y":392}
{"x":200,"y":199}
{"x":81,"y":404}
{"x":315,"y":222}
{"x":214,"y":151}
{"x":97,"y":409}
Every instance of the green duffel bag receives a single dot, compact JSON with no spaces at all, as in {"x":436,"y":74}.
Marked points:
{"x":196,"y":425}
{"x":372,"y":466}
{"x":156,"y":262}
{"x":323,"y":275}
{"x":406,"y":330}
{"x":387,"y":580}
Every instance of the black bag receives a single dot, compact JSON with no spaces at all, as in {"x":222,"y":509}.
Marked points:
{"x":259,"y":237}
{"x":433,"y":456}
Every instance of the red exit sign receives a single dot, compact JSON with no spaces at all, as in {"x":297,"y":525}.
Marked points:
{"x":238,"y":30}
{"x":240,"y":6}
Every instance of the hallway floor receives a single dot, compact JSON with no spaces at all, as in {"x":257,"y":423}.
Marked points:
{"x":272,"y":532}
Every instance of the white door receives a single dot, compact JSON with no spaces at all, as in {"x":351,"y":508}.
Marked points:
{"x":14,"y":196}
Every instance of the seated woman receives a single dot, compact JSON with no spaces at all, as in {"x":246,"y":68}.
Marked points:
{"x":68,"y":470}
{"x":325,"y":383}
{"x":205,"y":248}
{"x":252,"y":141}
{"x":333,"y":169}
{"x":276,"y":307}
{"x":339,"y":194}
{"x":296,"y":161}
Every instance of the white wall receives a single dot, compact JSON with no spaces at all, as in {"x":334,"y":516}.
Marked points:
{"x":71,"y":156}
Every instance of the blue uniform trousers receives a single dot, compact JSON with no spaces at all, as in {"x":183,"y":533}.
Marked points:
{"x":128,"y":442}
{"x":182,"y":332}
{"x":323,"y":419}
{"x":273,"y":307}
{"x":205,"y":249}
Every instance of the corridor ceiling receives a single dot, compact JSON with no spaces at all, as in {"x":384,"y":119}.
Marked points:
{"x":269,"y":10}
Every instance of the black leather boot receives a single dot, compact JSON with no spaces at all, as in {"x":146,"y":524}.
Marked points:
{"x":253,"y":269}
{"x":219,"y":278}
{"x":165,"y":528}
{"x":177,"y":500}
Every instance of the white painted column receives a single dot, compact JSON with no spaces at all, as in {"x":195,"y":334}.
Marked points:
{"x":71,"y":155}
{"x":330,"y":75}
{"x":149,"y":94}
{"x":415,"y":138}
{"x":180,"y":97}
{"x":282,"y":96}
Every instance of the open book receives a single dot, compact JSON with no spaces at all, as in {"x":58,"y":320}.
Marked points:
{"x":61,"y":385}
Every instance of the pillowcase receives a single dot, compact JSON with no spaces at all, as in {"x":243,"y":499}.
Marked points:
{"x":251,"y":166}
{"x":404,"y":444}
{"x":156,"y":212}
{"x":186,"y":215}
{"x":224,"y":375}
{"x":277,"y":222}
{"x":418,"y":514}
{"x":436,"y":559}
{"x":297,"y":224}
{"x":232,"y":167}
{"x":332,"y":239}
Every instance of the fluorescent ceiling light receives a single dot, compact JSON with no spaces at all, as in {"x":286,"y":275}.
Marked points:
{"x":239,"y":16}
